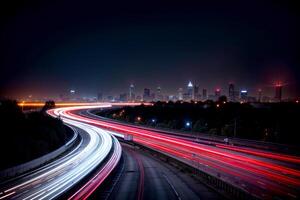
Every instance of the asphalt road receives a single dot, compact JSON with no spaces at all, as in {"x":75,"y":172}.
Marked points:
{"x":146,"y":177}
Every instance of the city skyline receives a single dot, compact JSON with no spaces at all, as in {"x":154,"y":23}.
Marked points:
{"x":104,"y":47}
{"x":165,"y":99}
{"x":191,"y":91}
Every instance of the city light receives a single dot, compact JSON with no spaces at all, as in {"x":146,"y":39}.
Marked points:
{"x":188,"y":124}
{"x":101,"y":89}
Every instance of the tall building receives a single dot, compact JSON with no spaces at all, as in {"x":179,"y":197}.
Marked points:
{"x":159,"y":96}
{"x":72,"y":95}
{"x":204,"y":94}
{"x":146,"y":95}
{"x":158,"y":90}
{"x":196,"y":93}
{"x":231,"y":93}
{"x":217,"y":93}
{"x":278,"y":92}
{"x":180,"y":94}
{"x":131,"y":92}
{"x":244,"y":95}
{"x":123,"y":97}
{"x":259,"y":96}
{"x":190,"y":91}
{"x":99,"y":97}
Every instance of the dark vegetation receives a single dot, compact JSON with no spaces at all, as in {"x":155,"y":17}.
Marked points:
{"x":27,"y":136}
{"x":272,"y":122}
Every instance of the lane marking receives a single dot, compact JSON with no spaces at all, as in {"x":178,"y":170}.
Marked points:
{"x":172,"y":186}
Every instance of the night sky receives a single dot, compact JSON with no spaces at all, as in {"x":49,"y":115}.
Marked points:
{"x":50,"y":47}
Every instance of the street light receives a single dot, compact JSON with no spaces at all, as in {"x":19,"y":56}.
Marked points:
{"x":188,"y":125}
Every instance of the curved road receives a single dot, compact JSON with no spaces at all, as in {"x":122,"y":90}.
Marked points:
{"x":146,"y":177}
{"x":262,"y":173}
{"x":50,"y":181}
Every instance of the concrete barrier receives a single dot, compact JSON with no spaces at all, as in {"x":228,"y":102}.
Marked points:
{"x":25,"y":167}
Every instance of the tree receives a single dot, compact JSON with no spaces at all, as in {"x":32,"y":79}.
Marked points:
{"x":48,"y":105}
{"x":222,"y":98}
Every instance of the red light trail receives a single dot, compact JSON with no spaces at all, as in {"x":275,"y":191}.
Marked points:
{"x":262,"y":173}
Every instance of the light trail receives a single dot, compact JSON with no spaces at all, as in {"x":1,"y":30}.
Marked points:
{"x":59,"y":176}
{"x":258,"y":172}
{"x":69,"y":104}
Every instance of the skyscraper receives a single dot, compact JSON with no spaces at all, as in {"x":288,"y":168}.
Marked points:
{"x":244,"y":94}
{"x":146,"y":95}
{"x":99,"y":97}
{"x":196,"y":93}
{"x":123,"y":97}
{"x":159,"y":96}
{"x":131,"y":92}
{"x":180,"y":94}
{"x":217,"y":93}
{"x":259,"y":95}
{"x":278,"y":92}
{"x":190,"y":91}
{"x":204,"y":94}
{"x":158,"y":90}
{"x":231,"y":93}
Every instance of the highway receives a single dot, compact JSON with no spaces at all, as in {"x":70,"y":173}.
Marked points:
{"x":97,"y":146}
{"x":264,"y":174}
{"x":146,"y":177}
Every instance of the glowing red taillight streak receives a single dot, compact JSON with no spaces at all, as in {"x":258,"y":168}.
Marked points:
{"x":287,"y":158}
{"x":273,"y":176}
{"x":197,"y":147}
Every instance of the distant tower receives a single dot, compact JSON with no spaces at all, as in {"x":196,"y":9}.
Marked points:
{"x":231,"y":93}
{"x":190,"y":90}
{"x":196,"y":92}
{"x":278,"y":92}
{"x":131,"y":91}
{"x":159,"y":96}
{"x":72,"y":94}
{"x":204,"y":94}
{"x":100,"y":97}
{"x":217,"y":93}
{"x":158,"y":90}
{"x":180,"y":94}
{"x":146,"y":95}
{"x":259,"y":95}
{"x":244,"y":94}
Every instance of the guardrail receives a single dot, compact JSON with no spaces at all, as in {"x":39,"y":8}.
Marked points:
{"x":25,"y":167}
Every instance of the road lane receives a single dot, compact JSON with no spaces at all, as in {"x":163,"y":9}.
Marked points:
{"x":161,"y":181}
{"x":258,"y":172}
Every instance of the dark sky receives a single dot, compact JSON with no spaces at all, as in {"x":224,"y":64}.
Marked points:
{"x":49,"y":47}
